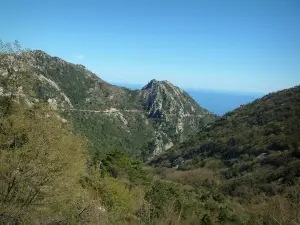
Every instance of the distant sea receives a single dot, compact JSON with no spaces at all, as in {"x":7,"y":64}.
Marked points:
{"x":217,"y":102}
{"x":220,"y":102}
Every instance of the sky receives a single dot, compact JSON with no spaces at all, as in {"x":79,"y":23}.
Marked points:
{"x":248,"y":46}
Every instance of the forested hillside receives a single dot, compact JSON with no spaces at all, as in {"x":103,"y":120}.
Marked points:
{"x":142,"y":122}
{"x":266,"y":129}
{"x":253,"y":151}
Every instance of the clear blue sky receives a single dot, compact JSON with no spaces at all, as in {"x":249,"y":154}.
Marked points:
{"x":235,"y":45}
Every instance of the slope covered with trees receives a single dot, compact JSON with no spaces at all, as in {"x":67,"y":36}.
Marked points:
{"x":253,"y":151}
{"x":241,"y":169}
{"x":48,"y":176}
{"x":143,"y":122}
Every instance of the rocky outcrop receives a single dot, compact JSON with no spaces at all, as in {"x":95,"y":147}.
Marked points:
{"x":179,"y":114}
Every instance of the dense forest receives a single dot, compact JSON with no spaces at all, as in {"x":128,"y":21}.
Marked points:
{"x":253,"y":152}
{"x":243,"y":168}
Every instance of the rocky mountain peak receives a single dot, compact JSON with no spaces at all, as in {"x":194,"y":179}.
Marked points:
{"x":155,"y":83}
{"x":162,"y":98}
{"x":180,"y":113}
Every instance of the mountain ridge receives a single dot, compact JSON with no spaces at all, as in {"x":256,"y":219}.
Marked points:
{"x":158,"y":115}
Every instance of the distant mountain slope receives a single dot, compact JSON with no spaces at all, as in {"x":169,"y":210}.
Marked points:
{"x":261,"y":138}
{"x":146,"y":121}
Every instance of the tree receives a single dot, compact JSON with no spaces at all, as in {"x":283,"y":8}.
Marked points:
{"x":14,"y":60}
{"x":41,"y":162}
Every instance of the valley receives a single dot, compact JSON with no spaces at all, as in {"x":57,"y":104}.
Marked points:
{"x":75,"y":149}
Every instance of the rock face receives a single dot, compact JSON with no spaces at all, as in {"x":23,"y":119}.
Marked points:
{"x":179,"y":115}
{"x":144,"y":122}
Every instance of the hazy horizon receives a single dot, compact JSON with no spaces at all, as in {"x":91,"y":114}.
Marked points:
{"x":134,"y":86}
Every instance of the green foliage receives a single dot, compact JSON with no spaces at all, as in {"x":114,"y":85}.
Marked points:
{"x":118,"y":164}
{"x":49,"y":181}
{"x":40,"y":166}
{"x":107,"y":133}
{"x":253,"y":153}
{"x":255,"y":146}
{"x":242,"y":169}
{"x":173,"y":203}
{"x":114,"y":195}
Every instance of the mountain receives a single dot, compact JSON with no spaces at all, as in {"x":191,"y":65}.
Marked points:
{"x":146,"y":121}
{"x":242,"y":168}
{"x":256,"y":144}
